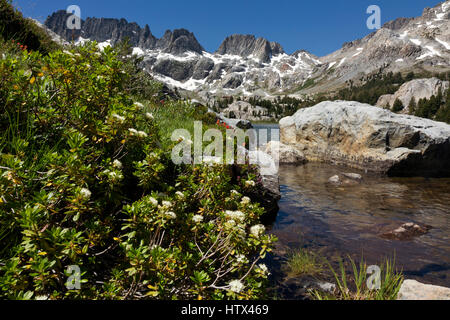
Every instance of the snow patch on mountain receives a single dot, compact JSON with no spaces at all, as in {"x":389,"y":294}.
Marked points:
{"x":445,"y":44}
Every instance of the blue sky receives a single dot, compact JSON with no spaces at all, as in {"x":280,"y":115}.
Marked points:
{"x":319,"y":26}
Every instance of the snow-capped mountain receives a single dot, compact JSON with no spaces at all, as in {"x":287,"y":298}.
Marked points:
{"x":247,"y":65}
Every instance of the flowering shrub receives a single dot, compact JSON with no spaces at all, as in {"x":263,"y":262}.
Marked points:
{"x":85,"y":181}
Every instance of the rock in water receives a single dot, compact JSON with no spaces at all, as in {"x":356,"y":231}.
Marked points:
{"x":407,"y":231}
{"x":353,"y":176}
{"x":284,"y":154}
{"x":414,"y":290}
{"x":335,"y":180}
{"x":369,"y":138}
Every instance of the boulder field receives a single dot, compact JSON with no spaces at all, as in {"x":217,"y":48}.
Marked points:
{"x":369,"y":138}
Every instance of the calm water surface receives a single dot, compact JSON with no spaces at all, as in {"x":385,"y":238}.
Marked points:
{"x":347,"y":220}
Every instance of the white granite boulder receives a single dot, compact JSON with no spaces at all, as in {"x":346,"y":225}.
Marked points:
{"x":414,"y":290}
{"x":369,"y":138}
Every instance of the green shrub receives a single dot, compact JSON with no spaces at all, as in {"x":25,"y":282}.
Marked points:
{"x":85,"y":181}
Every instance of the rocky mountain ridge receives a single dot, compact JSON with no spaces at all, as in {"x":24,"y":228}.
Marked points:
{"x":246,"y":65}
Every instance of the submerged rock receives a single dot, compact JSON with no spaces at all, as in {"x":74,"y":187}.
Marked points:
{"x":407,"y":231}
{"x":414,"y":290}
{"x":369,"y":138}
{"x":345,"y":179}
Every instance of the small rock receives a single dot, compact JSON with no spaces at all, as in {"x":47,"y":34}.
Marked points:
{"x":407,"y":231}
{"x":284,"y":154}
{"x":335,"y":180}
{"x":414,"y":290}
{"x":353,"y":176}
{"x":326,"y":286}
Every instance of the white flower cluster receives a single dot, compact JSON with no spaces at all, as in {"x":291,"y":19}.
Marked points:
{"x":197,"y":218}
{"x":235,"y":193}
{"x":167,"y":204}
{"x":113,"y":175}
{"x":153,"y":201}
{"x":140,"y":134}
{"x":240,"y":258}
{"x":263,"y":268}
{"x":180,"y":194}
{"x":170,"y":215}
{"x":187,"y":141}
{"x":120,"y":118}
{"x":236,"y":286}
{"x":149,"y":116}
{"x":245,"y":200}
{"x":139,"y":105}
{"x":117,"y":164}
{"x":235,"y":215}
{"x":257,"y":230}
{"x":250,"y":183}
{"x":85,"y":193}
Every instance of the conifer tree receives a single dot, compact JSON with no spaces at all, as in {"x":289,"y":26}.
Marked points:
{"x":398,"y":106}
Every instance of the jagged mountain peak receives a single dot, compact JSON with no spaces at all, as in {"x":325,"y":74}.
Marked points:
{"x":246,"y":45}
{"x":397,"y":24}
{"x":114,"y":30}
{"x":179,"y":41}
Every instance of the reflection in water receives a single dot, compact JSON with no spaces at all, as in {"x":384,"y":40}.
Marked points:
{"x":337,"y":221}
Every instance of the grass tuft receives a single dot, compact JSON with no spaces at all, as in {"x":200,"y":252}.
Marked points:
{"x":304,"y":262}
{"x":356,"y":287}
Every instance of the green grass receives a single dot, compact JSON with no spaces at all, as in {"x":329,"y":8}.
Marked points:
{"x":175,"y":115}
{"x":304,"y":262}
{"x":355,"y":287}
